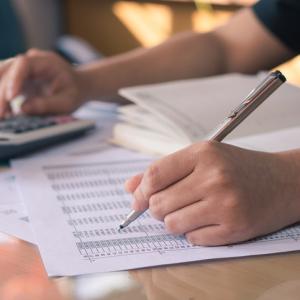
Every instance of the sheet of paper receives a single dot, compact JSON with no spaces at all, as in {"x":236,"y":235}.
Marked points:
{"x":76,"y":206}
{"x":13,"y":214}
{"x":14,"y":219}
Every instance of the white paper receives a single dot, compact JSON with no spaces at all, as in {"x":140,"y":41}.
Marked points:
{"x":14,"y":219}
{"x":281,"y":140}
{"x":194,"y":107}
{"x":13,"y":215}
{"x":76,"y":206}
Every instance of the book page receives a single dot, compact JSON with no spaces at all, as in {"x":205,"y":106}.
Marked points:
{"x":76,"y":206}
{"x":197,"y":106}
{"x":275,"y":141}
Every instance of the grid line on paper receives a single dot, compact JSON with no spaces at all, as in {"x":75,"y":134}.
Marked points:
{"x":138,"y":245}
{"x":92,"y":198}
{"x":93,"y":164}
{"x":75,"y":229}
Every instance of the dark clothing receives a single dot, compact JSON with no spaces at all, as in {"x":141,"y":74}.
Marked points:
{"x":11,"y":35}
{"x":282,"y":18}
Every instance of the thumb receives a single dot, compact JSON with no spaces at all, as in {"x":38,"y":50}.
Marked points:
{"x":132,"y":183}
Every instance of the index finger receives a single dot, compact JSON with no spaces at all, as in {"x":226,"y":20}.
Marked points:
{"x":30,"y":65}
{"x":162,"y":174}
{"x":15,"y":77}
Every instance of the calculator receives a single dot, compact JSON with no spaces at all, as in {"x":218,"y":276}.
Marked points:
{"x":23,"y":134}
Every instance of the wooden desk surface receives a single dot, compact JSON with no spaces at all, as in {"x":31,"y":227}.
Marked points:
{"x":22,"y":276}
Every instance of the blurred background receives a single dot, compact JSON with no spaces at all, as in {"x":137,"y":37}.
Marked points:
{"x":82,"y":31}
{"x":86,"y":30}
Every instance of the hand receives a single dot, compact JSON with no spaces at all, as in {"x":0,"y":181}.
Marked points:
{"x":219,"y":194}
{"x":51,"y":85}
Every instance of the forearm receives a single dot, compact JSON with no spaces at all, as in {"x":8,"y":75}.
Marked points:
{"x":241,"y":45}
{"x":183,"y":56}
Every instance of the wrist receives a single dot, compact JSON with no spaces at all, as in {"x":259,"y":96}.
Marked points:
{"x":83,"y":83}
{"x":290,"y":177}
{"x":291,"y":160}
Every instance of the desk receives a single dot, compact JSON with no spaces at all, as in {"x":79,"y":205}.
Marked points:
{"x":22,"y":276}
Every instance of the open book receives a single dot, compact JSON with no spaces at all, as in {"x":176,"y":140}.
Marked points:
{"x":166,"y":117}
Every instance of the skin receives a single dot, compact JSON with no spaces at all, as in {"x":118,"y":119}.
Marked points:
{"x":214,"y":193}
{"x":226,"y":49}
{"x":220,"y":194}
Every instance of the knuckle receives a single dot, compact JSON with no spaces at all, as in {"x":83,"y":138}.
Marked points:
{"x":172,"y":224}
{"x":208,"y":146}
{"x":152,"y":177}
{"x":223,"y":176}
{"x":137,"y":204}
{"x":207,"y":150}
{"x":33,"y":52}
{"x":156,"y":207}
{"x":192,"y":238}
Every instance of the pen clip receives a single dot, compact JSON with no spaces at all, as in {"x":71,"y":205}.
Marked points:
{"x":240,"y":107}
{"x":274,"y":77}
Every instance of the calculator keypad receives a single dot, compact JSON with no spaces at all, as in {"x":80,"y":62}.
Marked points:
{"x":22,"y":124}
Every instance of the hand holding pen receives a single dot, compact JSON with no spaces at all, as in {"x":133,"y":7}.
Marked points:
{"x":216,"y":193}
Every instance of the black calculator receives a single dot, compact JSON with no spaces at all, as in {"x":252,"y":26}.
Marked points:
{"x":23,"y":134}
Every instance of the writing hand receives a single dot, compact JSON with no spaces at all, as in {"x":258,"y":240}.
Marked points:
{"x":219,"y":194}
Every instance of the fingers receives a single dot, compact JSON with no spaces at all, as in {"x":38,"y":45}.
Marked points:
{"x":15,"y":77}
{"x":4,"y":65}
{"x":214,"y":235}
{"x":12,"y":81}
{"x":189,"y":218}
{"x":176,"y":196}
{"x":161,"y":174}
{"x":46,"y":105}
{"x":132,"y":183}
{"x":3,"y":103}
{"x":37,"y":66}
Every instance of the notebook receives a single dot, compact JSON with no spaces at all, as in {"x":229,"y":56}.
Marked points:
{"x":169,"y":116}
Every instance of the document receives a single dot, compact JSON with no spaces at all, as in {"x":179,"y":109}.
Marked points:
{"x":13,"y":215}
{"x":76,"y":205}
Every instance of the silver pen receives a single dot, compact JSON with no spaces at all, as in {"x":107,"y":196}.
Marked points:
{"x":256,"y":97}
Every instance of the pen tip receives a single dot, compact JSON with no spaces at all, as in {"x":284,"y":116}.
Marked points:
{"x":121,"y":227}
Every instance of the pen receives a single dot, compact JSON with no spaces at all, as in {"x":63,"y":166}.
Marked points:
{"x":256,"y":97}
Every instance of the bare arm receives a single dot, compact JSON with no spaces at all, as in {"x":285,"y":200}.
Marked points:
{"x":241,"y":45}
